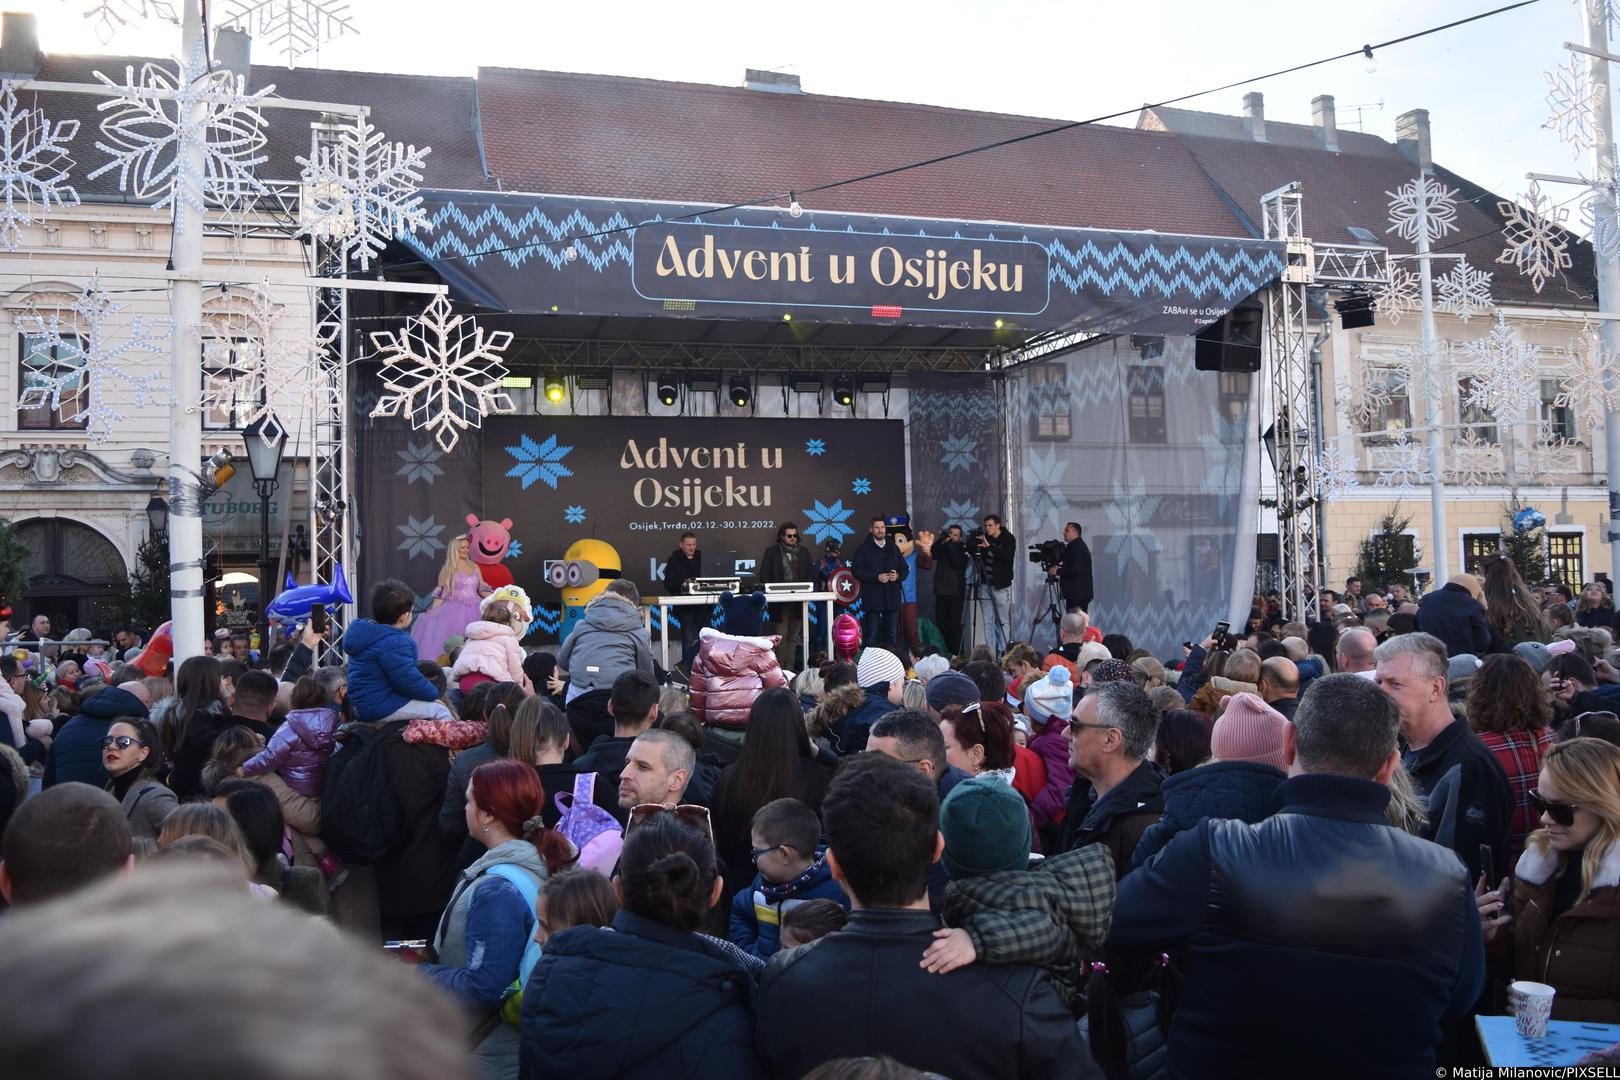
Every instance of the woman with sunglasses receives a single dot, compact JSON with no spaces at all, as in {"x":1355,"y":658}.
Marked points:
{"x":1563,"y":928}
{"x":648,"y":997}
{"x":129,"y":753}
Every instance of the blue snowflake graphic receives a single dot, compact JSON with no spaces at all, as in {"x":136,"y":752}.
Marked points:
{"x":960,"y":512}
{"x":514,"y":549}
{"x":861,"y":486}
{"x":573,"y":514}
{"x":539,"y":461}
{"x":959,"y":452}
{"x":828,"y":522}
{"x":421,"y":537}
{"x":816,"y":447}
{"x":421,"y":463}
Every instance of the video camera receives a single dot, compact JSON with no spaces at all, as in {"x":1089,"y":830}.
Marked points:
{"x":1048,"y":553}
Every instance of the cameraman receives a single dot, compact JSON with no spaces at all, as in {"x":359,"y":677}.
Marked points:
{"x":998,"y":550}
{"x":1074,"y":572}
{"x":950,"y":559}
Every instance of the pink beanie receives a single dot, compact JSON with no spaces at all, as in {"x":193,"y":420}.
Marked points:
{"x":1249,"y":730}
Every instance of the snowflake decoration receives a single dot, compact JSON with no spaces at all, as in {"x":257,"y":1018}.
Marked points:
{"x":362,"y":190}
{"x":1598,"y":209}
{"x":828,"y":522}
{"x":514,"y":549}
{"x":1335,"y":473}
{"x":1043,"y":474}
{"x":88,"y":358}
{"x":959,"y":452}
{"x":442,"y":373}
{"x":1422,"y":209}
{"x":815,"y":447}
{"x":154,"y":120}
{"x":291,"y":27}
{"x":1473,"y":462}
{"x":960,"y":512}
{"x":1464,"y":291}
{"x":1131,"y":514}
{"x":1552,"y":455}
{"x":110,"y":15}
{"x":1398,"y":294}
{"x":1570,"y":98}
{"x":1402,"y":464}
{"x":861,"y":486}
{"x":573,"y":514}
{"x":1363,"y":397}
{"x":1506,"y":379}
{"x":421,"y":537}
{"x":421,"y":463}
{"x":258,"y":356}
{"x":540,"y":461}
{"x":1591,"y":385}
{"x":1537,"y":242}
{"x":34,"y":166}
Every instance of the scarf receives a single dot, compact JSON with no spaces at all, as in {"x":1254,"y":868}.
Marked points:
{"x":119,"y":786}
{"x":775,"y":893}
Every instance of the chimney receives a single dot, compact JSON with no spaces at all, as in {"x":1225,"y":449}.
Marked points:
{"x":20,"y":58}
{"x":1254,"y":115}
{"x":1412,"y":137}
{"x":771,"y":82}
{"x":1323,"y":119}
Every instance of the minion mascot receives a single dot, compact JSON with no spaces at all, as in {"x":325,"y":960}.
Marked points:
{"x":582,"y":574}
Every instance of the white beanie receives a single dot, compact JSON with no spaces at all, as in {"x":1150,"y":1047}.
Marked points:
{"x":1051,"y":696}
{"x":878,"y":665}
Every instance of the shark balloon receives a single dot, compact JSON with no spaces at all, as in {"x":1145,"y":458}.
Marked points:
{"x":293,"y":605}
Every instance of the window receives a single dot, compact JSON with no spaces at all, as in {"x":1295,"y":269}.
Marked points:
{"x":1393,"y":414}
{"x":1144,"y":388}
{"x":220,"y":359}
{"x":1049,"y":403}
{"x":1362,"y":236}
{"x":1475,"y":418}
{"x":1565,"y":559}
{"x":41,"y":364}
{"x":1234,"y":396}
{"x":1478,"y":550}
{"x":1557,"y":421}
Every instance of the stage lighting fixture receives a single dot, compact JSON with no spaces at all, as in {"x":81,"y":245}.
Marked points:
{"x":844,"y":392}
{"x":740,"y":392}
{"x":668,"y":390}
{"x":1355,"y":310}
{"x":595,"y":379}
{"x":556,"y":388}
{"x":873,"y":384}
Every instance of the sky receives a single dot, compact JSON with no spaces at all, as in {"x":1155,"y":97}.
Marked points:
{"x":1483,"y":84}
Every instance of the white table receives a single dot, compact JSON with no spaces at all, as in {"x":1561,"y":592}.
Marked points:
{"x":804,"y":600}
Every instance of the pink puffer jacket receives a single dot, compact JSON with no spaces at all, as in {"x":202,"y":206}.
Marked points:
{"x":298,"y":751}
{"x":492,"y":649}
{"x":729,"y":673}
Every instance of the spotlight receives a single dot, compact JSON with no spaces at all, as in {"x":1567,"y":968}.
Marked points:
{"x":668,"y":392}
{"x":739,"y":391}
{"x":556,"y":389}
{"x":844,"y":392}
{"x":1355,"y":309}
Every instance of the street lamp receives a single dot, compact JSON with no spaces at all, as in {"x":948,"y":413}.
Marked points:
{"x":264,"y":461}
{"x":157,"y":515}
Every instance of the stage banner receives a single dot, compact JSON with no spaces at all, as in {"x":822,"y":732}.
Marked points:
{"x":638,"y":483}
{"x":519,"y":253}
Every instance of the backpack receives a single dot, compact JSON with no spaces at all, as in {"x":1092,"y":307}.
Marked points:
{"x":361,"y":819}
{"x":512,"y":1003}
{"x":593,"y":831}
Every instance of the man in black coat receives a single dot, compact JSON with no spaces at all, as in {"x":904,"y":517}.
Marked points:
{"x":684,"y":564}
{"x":878,"y":565}
{"x":1074,"y":573}
{"x":979,"y":1020}
{"x":1455,"y":615}
{"x":999,"y":549}
{"x":949,"y":558}
{"x":787,"y":560}
{"x":1324,"y":910}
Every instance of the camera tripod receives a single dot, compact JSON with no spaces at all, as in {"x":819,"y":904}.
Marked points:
{"x":1052,"y":592}
{"x":975,"y":594}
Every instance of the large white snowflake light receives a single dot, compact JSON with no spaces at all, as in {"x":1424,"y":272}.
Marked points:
{"x":1335,"y":473}
{"x":1570,"y":98}
{"x":34,"y":166}
{"x":86,"y":359}
{"x":1364,"y":396}
{"x":361,"y":189}
{"x":1590,"y":382}
{"x":156,"y":118}
{"x":1506,"y":373}
{"x":1464,"y":291}
{"x":1401,"y":465}
{"x":262,"y":362}
{"x":111,"y":16}
{"x":1422,"y":207}
{"x":443,"y":373}
{"x":1397,"y":295}
{"x":1472,"y":462}
{"x":1537,"y":242}
{"x":1598,"y":208}
{"x":291,"y":27}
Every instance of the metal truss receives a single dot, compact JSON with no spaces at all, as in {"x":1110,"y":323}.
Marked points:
{"x":564,"y":355}
{"x":1351,"y":264}
{"x":331,"y":527}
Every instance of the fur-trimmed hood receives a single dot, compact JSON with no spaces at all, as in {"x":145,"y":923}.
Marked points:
{"x":1538,"y":867}
{"x":834,"y":707}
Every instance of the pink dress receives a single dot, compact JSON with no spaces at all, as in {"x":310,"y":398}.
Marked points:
{"x":432,"y":628}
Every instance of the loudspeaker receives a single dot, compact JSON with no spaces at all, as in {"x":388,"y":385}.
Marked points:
{"x":1232,"y":343}
{"x":1267,"y":548}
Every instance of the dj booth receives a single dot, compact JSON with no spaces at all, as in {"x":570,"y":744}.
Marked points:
{"x":705,"y":601}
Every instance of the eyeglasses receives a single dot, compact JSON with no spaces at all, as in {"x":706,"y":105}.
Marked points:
{"x":123,"y":742}
{"x":1076,"y":725}
{"x":758,"y":853}
{"x":688,"y":813}
{"x":790,"y":536}
{"x":1586,"y":715}
{"x":1562,"y":813}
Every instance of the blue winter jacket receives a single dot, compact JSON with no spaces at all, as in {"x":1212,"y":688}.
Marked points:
{"x":756,"y":912}
{"x":1241,"y":790}
{"x":382,"y":670}
{"x":76,"y":752}
{"x":639,"y":1001}
{"x":849,"y":734}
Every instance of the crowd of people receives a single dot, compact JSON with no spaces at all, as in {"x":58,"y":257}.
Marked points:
{"x":1321,"y":845}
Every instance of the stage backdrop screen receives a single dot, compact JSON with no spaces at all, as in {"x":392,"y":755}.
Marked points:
{"x":638,"y":483}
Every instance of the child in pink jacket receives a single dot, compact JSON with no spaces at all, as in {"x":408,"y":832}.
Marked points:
{"x":492,"y":652}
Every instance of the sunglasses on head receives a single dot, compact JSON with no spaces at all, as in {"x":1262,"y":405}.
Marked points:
{"x":123,"y":742}
{"x":689,"y":813}
{"x":1562,"y":813}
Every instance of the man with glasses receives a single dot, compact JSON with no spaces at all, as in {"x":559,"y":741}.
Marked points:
{"x":787,"y":560}
{"x":1110,"y":735}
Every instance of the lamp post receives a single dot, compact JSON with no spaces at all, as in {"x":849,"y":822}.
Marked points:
{"x":264,"y":461}
{"x":157,"y":515}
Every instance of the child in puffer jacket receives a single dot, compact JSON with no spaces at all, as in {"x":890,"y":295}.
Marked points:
{"x":792,"y":871}
{"x":492,"y":652}
{"x":298,"y":753}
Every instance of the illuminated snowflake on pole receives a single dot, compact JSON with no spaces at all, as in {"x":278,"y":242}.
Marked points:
{"x":1537,"y":242}
{"x":1422,"y":207}
{"x":1598,"y":208}
{"x":1570,"y":99}
{"x":34,"y":166}
{"x":1506,"y":373}
{"x":1363,"y":397}
{"x":1335,"y":473}
{"x":362,"y":190}
{"x":1473,"y":462}
{"x":112,"y":16}
{"x":1590,"y":385}
{"x":262,"y":363}
{"x":1464,"y":291}
{"x":291,"y":27}
{"x":1401,"y":465}
{"x":1397,"y":295}
{"x":443,"y":373}
{"x":1552,"y":456}
{"x":156,"y":118}
{"x":85,"y":359}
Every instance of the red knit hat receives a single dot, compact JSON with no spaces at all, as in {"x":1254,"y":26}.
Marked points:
{"x":1249,"y":730}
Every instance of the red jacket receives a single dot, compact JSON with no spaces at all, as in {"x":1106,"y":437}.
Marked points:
{"x":729,"y":673}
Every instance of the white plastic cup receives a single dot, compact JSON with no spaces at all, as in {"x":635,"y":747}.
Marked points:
{"x":1533,"y":1009}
